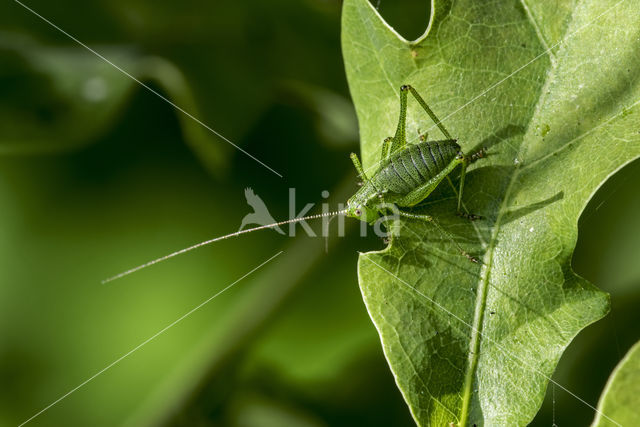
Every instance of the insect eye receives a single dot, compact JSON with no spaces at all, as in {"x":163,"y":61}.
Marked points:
{"x":358,"y":212}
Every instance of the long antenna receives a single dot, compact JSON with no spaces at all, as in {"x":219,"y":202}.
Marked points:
{"x":207,"y":242}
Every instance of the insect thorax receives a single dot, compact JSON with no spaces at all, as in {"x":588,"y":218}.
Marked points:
{"x":367,"y":195}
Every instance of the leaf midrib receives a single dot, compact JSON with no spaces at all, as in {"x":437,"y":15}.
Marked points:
{"x":483,"y":283}
{"x":488,"y":259}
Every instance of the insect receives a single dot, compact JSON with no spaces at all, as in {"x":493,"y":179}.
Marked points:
{"x":406,"y":175}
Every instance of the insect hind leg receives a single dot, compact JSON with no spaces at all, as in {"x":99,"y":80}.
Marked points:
{"x":467,"y":160}
{"x":428,"y":110}
{"x":399,"y":140}
{"x":460,"y":212}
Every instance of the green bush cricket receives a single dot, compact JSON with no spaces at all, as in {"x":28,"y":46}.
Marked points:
{"x":406,"y":175}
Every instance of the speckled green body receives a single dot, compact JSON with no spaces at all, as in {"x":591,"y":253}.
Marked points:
{"x":416,"y":165}
{"x":408,"y":173}
{"x":408,"y":176}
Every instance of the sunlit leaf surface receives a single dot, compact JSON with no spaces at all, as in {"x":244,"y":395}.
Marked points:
{"x":554,"y":98}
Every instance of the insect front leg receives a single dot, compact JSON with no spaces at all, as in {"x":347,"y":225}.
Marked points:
{"x":358,"y":166}
{"x":442,"y":231}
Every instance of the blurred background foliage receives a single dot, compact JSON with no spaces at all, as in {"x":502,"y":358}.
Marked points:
{"x":98,"y":174}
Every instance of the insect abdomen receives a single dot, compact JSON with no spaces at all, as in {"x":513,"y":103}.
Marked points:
{"x":414,"y":166}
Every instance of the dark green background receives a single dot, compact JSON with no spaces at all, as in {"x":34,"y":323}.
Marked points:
{"x":92,"y":184}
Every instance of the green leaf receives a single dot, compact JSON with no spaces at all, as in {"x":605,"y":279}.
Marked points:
{"x":555,"y":99}
{"x":620,"y":399}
